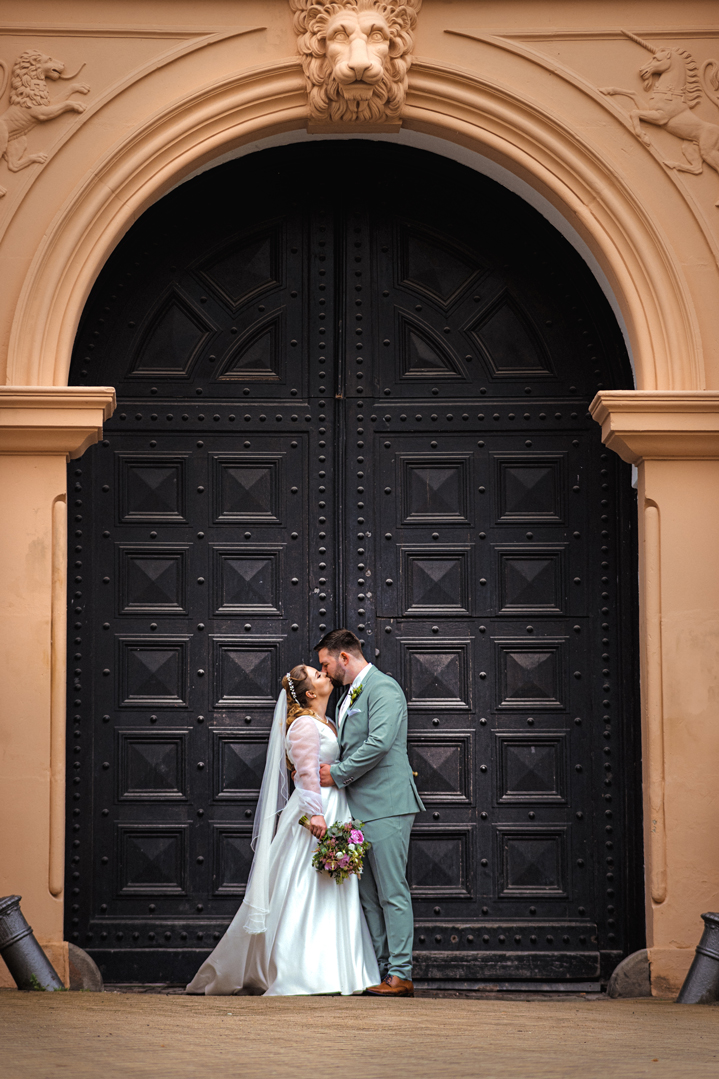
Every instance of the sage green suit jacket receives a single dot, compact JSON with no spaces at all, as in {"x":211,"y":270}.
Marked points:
{"x":373,"y":765}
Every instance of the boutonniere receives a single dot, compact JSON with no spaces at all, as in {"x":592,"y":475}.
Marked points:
{"x":355,"y":693}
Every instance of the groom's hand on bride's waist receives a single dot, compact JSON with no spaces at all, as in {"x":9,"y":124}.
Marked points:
{"x":326,"y":779}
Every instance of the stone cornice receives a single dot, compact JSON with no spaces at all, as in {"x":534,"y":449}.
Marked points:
{"x":53,"y":419}
{"x":659,"y":424}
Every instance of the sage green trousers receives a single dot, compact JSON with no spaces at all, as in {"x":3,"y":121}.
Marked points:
{"x":385,"y":896}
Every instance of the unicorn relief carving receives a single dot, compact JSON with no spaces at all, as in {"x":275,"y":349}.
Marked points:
{"x":673,"y":85}
{"x":30,"y":104}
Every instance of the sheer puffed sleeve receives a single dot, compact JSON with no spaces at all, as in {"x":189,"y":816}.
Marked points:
{"x":303,"y":739}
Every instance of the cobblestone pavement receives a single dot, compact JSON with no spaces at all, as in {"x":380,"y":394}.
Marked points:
{"x":138,"y":1035}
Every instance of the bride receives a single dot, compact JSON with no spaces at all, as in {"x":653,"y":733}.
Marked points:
{"x":297,"y":931}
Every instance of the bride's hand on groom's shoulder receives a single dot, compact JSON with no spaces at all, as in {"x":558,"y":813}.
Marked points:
{"x":326,"y":779}
{"x":318,"y":826}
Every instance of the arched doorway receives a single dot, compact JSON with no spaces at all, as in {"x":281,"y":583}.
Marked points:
{"x":353,"y":384}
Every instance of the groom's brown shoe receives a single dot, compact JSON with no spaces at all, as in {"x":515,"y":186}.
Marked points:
{"x":391,"y":986}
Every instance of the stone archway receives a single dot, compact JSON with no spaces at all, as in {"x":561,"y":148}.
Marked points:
{"x":554,"y":156}
{"x":452,"y":106}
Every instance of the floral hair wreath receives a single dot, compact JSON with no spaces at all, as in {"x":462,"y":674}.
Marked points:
{"x":292,"y":688}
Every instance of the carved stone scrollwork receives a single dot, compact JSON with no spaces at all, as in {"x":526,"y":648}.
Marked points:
{"x":673,"y":85}
{"x":355,"y":55}
{"x":30,"y":104}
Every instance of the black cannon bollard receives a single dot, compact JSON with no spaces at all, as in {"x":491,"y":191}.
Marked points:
{"x":701,"y":985}
{"x":25,"y":959}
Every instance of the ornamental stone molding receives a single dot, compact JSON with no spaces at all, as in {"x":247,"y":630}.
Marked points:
{"x":659,"y":425}
{"x":355,"y":56}
{"x":53,"y":419}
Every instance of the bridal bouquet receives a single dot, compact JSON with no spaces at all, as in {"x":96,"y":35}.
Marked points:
{"x":341,"y":850}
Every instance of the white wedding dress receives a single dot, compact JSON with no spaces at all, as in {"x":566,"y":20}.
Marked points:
{"x":316,"y":938}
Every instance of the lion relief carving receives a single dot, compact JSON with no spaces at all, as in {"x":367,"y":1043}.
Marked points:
{"x":30,"y":104}
{"x":355,"y":55}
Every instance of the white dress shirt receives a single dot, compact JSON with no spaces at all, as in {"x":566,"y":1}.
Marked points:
{"x":344,"y":707}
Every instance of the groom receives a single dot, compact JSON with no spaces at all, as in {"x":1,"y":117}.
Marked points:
{"x":375,"y":771}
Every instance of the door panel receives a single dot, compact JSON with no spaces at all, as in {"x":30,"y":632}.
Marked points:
{"x":346,"y":411}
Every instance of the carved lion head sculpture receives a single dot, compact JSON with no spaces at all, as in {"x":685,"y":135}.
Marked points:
{"x":30,"y":70}
{"x":355,"y":55}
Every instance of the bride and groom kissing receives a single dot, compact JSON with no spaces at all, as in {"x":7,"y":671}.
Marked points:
{"x":297,"y":932}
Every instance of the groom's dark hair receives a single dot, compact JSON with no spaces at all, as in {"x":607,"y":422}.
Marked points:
{"x":340,"y":640}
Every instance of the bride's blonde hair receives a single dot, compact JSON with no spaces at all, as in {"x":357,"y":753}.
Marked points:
{"x":295,"y":685}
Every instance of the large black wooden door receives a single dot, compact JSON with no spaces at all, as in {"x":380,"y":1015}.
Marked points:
{"x":367,"y":410}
